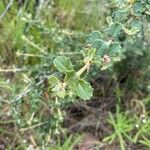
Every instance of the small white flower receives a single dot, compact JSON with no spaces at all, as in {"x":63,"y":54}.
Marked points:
{"x":137,"y":126}
{"x":144,"y":120}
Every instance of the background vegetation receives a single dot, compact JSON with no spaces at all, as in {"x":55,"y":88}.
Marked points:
{"x":32,"y":34}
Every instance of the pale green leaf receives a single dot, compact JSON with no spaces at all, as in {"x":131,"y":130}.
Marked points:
{"x":59,"y":90}
{"x":53,"y":80}
{"x":63,"y":64}
{"x":83,"y":89}
{"x":71,"y":78}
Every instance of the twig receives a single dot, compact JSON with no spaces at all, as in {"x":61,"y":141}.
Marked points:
{"x":6,"y":10}
{"x":26,"y":91}
{"x":33,"y":44}
{"x":84,"y":68}
{"x":33,"y":141}
{"x":12,"y":70}
{"x":29,"y":55}
{"x":31,"y":127}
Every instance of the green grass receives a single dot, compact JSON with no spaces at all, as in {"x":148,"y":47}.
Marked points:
{"x":122,"y":126}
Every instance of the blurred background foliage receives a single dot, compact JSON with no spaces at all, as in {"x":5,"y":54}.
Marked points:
{"x":32,"y":34}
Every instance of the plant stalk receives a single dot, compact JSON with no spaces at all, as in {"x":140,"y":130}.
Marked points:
{"x":84,"y":68}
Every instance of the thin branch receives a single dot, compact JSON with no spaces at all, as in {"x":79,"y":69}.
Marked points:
{"x":26,"y":91}
{"x":29,"y":55}
{"x":6,"y":10}
{"x":12,"y":70}
{"x":84,"y":68}
{"x":31,"y":127}
{"x":33,"y":44}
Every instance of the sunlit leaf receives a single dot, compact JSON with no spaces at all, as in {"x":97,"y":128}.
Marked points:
{"x":63,"y":64}
{"x":83,"y":89}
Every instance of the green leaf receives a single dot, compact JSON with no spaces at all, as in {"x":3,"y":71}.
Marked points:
{"x":101,"y":47}
{"x":91,"y":53}
{"x":120,"y":15}
{"x":93,"y":36}
{"x":134,"y":27}
{"x":97,"y":60}
{"x":59,"y":90}
{"x":63,"y":64}
{"x":138,"y":8}
{"x":114,"y":49}
{"x":136,"y":24}
{"x":71,"y":78}
{"x":61,"y":93}
{"x":53,"y":80}
{"x":115,"y":29}
{"x":83,"y":89}
{"x":119,"y":2}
